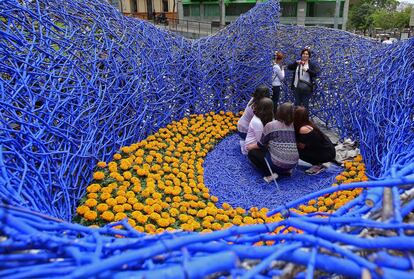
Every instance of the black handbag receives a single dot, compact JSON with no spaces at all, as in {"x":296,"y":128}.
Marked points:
{"x":304,"y":87}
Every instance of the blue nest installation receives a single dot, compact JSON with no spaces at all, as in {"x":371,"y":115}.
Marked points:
{"x":78,"y":80}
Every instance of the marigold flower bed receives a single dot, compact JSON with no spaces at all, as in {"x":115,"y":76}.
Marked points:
{"x":158,"y":183}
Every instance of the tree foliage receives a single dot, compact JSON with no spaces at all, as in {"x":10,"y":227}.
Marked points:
{"x":366,"y":14}
{"x":394,"y":19}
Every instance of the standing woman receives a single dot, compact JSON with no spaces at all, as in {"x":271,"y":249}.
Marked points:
{"x":277,"y":78}
{"x":303,"y":78}
{"x":314,"y":146}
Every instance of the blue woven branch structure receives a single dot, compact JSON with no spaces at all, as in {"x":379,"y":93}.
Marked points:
{"x":78,"y":80}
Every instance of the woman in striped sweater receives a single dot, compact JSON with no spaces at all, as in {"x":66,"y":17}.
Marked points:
{"x":277,"y":145}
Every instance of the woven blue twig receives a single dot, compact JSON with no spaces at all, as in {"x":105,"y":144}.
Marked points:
{"x":79,"y":80}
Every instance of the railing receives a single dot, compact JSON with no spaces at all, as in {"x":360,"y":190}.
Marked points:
{"x":189,"y":27}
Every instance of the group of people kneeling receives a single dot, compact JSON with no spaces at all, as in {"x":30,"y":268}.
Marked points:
{"x":274,"y":142}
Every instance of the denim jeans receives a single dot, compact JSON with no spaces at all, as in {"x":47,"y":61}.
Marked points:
{"x":302,"y":99}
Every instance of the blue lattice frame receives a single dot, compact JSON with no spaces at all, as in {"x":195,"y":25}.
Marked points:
{"x":78,"y":80}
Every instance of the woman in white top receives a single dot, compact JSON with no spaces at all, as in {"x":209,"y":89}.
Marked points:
{"x":263,"y":115}
{"x":277,"y":78}
{"x":244,"y":121}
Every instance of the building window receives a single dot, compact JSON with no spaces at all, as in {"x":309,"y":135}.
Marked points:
{"x":165,"y":6}
{"x":289,"y":9}
{"x":320,"y":9}
{"x":211,"y":10}
{"x":186,"y":10}
{"x":134,"y":7}
{"x":238,"y":9}
{"x":194,"y":10}
{"x":341,"y":9}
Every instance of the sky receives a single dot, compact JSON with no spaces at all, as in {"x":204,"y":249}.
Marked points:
{"x":406,"y":1}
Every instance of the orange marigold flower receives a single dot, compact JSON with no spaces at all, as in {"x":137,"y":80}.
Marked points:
{"x":107,"y":216}
{"x":138,"y":206}
{"x":93,"y":188}
{"x":117,"y":156}
{"x":120,"y":199}
{"x":101,"y":164}
{"x":132,"y":222}
{"x":163,"y":222}
{"x":105,"y":196}
{"x":216,"y":226}
{"x":99,"y":175}
{"x":139,"y":228}
{"x":157,"y":207}
{"x":118,"y":208}
{"x":90,"y":215}
{"x":120,"y":216}
{"x":202,"y":213}
{"x":226,"y":206}
{"x":174,"y":212}
{"x":91,"y":202}
{"x":248,"y":220}
{"x":149,"y":228}
{"x":92,"y":196}
{"x":102,"y":207}
{"x":81,"y":210}
{"x":142,"y":219}
{"x":127,"y":206}
{"x":214,"y":199}
{"x":149,"y":159}
{"x":111,"y":202}
{"x":240,"y":210}
{"x":322,"y":209}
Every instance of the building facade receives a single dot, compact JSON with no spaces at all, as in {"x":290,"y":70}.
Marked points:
{"x":296,"y":12}
{"x":328,"y":13}
{"x":145,"y":8}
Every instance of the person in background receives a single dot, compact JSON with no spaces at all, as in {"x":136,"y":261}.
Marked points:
{"x":244,"y":121}
{"x":313,"y":145}
{"x":154,"y":16}
{"x":277,"y":78}
{"x":263,"y":115}
{"x":387,"y":40}
{"x":303,"y":78}
{"x":277,"y":145}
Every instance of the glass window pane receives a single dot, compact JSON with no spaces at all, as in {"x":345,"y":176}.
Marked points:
{"x":212,"y":10}
{"x":238,"y":9}
{"x":288,"y":9}
{"x":195,"y":10}
{"x":320,"y":9}
{"x":186,"y":9}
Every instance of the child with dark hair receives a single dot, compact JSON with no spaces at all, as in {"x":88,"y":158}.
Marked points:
{"x":313,"y":145}
{"x":277,"y":145}
{"x":263,"y":115}
{"x":244,"y":121}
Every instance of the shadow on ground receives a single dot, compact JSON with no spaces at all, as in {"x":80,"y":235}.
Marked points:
{"x":230,"y":176}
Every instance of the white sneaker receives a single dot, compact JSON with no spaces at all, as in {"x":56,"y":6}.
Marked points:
{"x":243,"y":147}
{"x":270,"y":178}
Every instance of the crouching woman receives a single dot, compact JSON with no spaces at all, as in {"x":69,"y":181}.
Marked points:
{"x":277,"y":145}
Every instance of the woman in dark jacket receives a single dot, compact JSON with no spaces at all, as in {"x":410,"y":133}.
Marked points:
{"x":314,"y":146}
{"x":303,"y":79}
